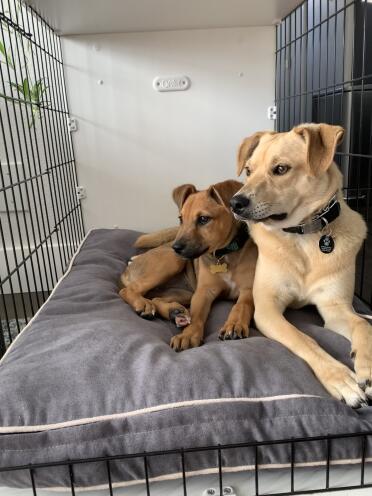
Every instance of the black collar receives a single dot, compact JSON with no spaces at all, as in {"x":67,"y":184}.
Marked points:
{"x":236,"y":243}
{"x":324,"y":217}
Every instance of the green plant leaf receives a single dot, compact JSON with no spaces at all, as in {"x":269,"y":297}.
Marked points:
{"x":6,"y":55}
{"x":18,"y":87}
{"x":26,"y":89}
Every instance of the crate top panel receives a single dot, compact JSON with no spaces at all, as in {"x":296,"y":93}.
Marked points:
{"x":69,"y":17}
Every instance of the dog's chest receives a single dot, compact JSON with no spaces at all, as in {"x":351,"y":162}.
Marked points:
{"x":232,"y":290}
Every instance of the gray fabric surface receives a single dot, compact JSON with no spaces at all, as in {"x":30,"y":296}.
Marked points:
{"x":87,"y":354}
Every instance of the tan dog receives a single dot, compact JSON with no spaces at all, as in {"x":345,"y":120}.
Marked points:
{"x":307,"y":239}
{"x":224,"y":260}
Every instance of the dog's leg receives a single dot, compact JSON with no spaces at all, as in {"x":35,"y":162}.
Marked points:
{"x":170,"y":306}
{"x":192,"y":335}
{"x":146,"y":272}
{"x":337,"y":379}
{"x":342,"y":319}
{"x":237,"y":323}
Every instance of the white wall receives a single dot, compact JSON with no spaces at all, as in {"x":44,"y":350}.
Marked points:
{"x":134,"y":145}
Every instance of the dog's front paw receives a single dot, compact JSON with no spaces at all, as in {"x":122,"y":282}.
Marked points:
{"x":341,"y":383}
{"x":188,"y":338}
{"x":234,"y":329}
{"x":362,"y":356}
{"x":144,"y":308}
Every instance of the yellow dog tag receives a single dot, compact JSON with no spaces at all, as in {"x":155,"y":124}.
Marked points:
{"x":218,"y":268}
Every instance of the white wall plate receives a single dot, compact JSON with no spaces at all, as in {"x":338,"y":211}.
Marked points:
{"x":171,"y":83}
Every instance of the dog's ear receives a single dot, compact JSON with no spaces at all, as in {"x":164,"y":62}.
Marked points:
{"x":224,"y":191}
{"x":321,"y":141}
{"x":181,"y":193}
{"x":246,"y":149}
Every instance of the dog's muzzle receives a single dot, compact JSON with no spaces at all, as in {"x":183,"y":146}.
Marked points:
{"x":239,"y":205}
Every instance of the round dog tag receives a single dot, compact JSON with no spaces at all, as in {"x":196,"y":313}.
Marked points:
{"x":326,"y":244}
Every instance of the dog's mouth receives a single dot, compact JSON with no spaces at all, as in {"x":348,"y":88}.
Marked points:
{"x":191,"y":254}
{"x":274,"y":217}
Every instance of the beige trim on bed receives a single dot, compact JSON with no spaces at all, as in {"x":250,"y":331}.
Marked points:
{"x":143,"y":411}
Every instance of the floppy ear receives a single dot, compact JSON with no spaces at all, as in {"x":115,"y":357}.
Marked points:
{"x":181,"y":193}
{"x":246,"y":149}
{"x":223,"y":192}
{"x":321,"y":141}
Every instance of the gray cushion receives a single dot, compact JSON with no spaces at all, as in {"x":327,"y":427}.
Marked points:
{"x":89,"y":378}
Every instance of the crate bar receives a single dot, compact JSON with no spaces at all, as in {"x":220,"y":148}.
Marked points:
{"x":315,"y":26}
{"x":146,"y":468}
{"x":47,"y":152}
{"x":56,"y":194}
{"x":363,"y":251}
{"x":39,"y":212}
{"x":56,"y":145}
{"x":32,"y":478}
{"x":27,"y":156}
{"x":219,"y":456}
{"x":109,"y":477}
{"x":183,"y":472}
{"x":64,"y":136}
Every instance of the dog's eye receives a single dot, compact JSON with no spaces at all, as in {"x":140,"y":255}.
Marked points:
{"x":247,"y":171}
{"x":202,"y":220}
{"x":281,"y":169}
{"x":180,"y":219}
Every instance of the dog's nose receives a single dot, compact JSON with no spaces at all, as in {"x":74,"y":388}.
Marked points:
{"x":238,"y":203}
{"x":178,"y":246}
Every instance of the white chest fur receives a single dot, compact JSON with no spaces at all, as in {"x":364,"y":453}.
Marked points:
{"x":232,"y":287}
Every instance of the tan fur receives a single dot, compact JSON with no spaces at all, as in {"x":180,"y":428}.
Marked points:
{"x":160,"y":264}
{"x":152,"y":240}
{"x":291,"y":269}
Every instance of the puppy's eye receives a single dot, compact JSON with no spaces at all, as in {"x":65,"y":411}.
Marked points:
{"x":202,"y":220}
{"x":180,"y":219}
{"x":247,"y":171}
{"x":281,"y":169}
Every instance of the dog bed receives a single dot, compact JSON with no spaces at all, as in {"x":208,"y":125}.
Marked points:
{"x":88,"y":378}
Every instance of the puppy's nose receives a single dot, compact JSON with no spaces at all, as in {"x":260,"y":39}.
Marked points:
{"x":238,"y":203}
{"x":178,"y":246}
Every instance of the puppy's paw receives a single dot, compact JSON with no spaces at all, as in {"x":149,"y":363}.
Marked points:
{"x":341,"y":383}
{"x":180,"y":317}
{"x":145,"y":308}
{"x":363,"y":367}
{"x":234,"y":330}
{"x":188,"y":338}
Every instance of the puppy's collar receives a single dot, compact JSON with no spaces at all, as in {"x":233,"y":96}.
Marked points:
{"x":321,"y":219}
{"x":236,"y":243}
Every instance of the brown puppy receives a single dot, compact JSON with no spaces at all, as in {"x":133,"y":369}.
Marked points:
{"x":307,"y":238}
{"x":223,"y":262}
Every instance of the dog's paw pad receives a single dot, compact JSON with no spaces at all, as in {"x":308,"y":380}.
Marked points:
{"x":179,"y":317}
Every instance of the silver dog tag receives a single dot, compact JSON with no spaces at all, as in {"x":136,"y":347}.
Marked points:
{"x":326,"y":244}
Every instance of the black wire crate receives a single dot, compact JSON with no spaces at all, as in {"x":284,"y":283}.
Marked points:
{"x":324,"y":74}
{"x":40,"y":216}
{"x":268,"y":462}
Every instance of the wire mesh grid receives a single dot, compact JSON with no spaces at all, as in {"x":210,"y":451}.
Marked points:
{"x":109,"y":473}
{"x":40,"y":216}
{"x":324,"y":74}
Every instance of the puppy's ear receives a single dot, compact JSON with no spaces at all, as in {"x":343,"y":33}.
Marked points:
{"x":321,"y":141}
{"x":246,"y":149}
{"x":224,"y":191}
{"x":181,"y":193}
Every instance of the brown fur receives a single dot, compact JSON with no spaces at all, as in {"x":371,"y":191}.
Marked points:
{"x":158,"y":265}
{"x":291,"y":269}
